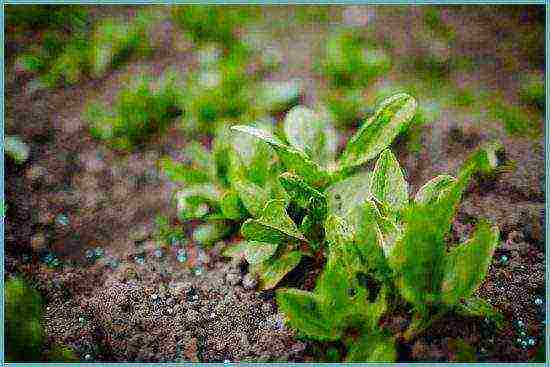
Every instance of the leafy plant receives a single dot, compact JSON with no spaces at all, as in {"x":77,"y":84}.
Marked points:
{"x":224,"y":186}
{"x":532,"y":90}
{"x":139,"y":111}
{"x":211,"y":23}
{"x":352,"y":62}
{"x":24,"y":333}
{"x":431,"y":277}
{"x":388,"y":244}
{"x":69,"y":57}
{"x":314,"y":181}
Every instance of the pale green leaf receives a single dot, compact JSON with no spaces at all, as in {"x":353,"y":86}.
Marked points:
{"x":390,"y":118}
{"x":466,"y":264}
{"x":346,"y":194}
{"x":235,"y":250}
{"x":432,"y":190}
{"x":195,"y":201}
{"x":311,"y":133}
{"x":257,"y":252}
{"x":304,"y":314}
{"x":372,"y":347}
{"x":232,"y":206}
{"x":210,"y":232}
{"x":16,"y":148}
{"x":253,"y":196}
{"x":273,"y":226}
{"x":294,"y":160}
{"x":270,"y":272}
{"x":181,"y":173}
{"x":388,"y":183}
{"x":299,"y":190}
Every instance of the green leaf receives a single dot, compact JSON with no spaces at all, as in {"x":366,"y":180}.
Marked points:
{"x":388,"y":183}
{"x":294,"y":160}
{"x":478,"y":307}
{"x":195,"y":201}
{"x":257,"y":252}
{"x":235,"y":250}
{"x":389,"y":119}
{"x":466,"y":264}
{"x":232,"y":206}
{"x":180,"y":173}
{"x":273,"y":270}
{"x":432,"y":190}
{"x":208,"y":233}
{"x":273,"y":226}
{"x":338,"y":231}
{"x":346,"y":194}
{"x":299,"y":190}
{"x":302,"y":310}
{"x":253,"y":196}
{"x":372,"y":347}
{"x":310,"y":133}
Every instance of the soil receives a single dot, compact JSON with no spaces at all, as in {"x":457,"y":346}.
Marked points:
{"x":74,"y":194}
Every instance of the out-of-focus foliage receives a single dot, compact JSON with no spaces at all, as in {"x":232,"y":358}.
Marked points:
{"x":139,"y":111}
{"x":23,"y":315}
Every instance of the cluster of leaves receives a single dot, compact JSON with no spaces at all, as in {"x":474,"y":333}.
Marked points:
{"x":379,"y":244}
{"x":224,"y":186}
{"x":32,"y":17}
{"x":138,"y":112}
{"x":24,"y":333}
{"x":68,"y":57}
{"x":280,"y":234}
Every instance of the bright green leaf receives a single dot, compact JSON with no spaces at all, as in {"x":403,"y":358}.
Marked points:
{"x":390,"y":118}
{"x":346,"y":194}
{"x":273,"y":226}
{"x":372,"y":348}
{"x":466,"y":264}
{"x":388,"y":183}
{"x":273,"y":270}
{"x":432,"y":190}
{"x":257,"y":252}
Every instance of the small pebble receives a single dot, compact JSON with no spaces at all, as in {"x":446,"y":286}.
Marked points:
{"x":531,"y":341}
{"x":81,"y":320}
{"x":154,"y":296}
{"x":197,"y":271}
{"x":158,"y":253}
{"x":90,"y":254}
{"x":99,"y":252}
{"x":182,"y":256}
{"x":538,"y":301}
{"x":88,"y":357}
{"x":226,"y":361}
{"x":139,"y":259}
{"x":113,"y":263}
{"x":62,"y":220}
{"x":504,"y":259}
{"x":249,"y":282}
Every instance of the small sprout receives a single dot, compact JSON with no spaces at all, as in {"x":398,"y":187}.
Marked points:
{"x":523,"y":334}
{"x":81,"y":320}
{"x":198,"y":271}
{"x":504,"y":259}
{"x":520,"y":324}
{"x":524,"y":344}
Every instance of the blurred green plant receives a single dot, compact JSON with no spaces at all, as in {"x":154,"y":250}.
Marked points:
{"x":23,"y":315}
{"x":516,"y":120}
{"x":351,"y":61}
{"x":532,"y":90}
{"x":62,"y":354}
{"x":69,"y":57}
{"x":140,"y":110}
{"x":212,"y":23}
{"x":32,"y":17}
{"x":312,"y":178}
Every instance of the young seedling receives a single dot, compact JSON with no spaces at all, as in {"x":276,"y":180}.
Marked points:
{"x":139,"y":111}
{"x":316,"y":183}
{"x":350,"y":62}
{"x":431,"y":277}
